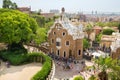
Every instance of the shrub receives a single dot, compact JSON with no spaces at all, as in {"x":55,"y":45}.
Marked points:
{"x":17,"y":59}
{"x":44,"y":72}
{"x":78,"y":78}
{"x":13,"y":58}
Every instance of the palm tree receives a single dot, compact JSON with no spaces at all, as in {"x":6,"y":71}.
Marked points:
{"x":88,"y":29}
{"x":103,"y":64}
{"x":115,"y":70}
{"x":109,"y":68}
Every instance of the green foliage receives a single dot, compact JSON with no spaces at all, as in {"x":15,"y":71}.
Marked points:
{"x":43,"y":73}
{"x":110,"y":24}
{"x":108,"y":31}
{"x":88,"y":28}
{"x":86,"y":43}
{"x":104,"y":63}
{"x":9,"y":4}
{"x":119,"y":27}
{"x":78,"y":78}
{"x":16,"y":27}
{"x":55,"y":17}
{"x":39,"y":19}
{"x":43,"y":22}
{"x":108,"y":63}
{"x":41,"y":35}
{"x":92,"y":77}
{"x":13,"y":58}
{"x":98,"y":38}
{"x":18,"y":59}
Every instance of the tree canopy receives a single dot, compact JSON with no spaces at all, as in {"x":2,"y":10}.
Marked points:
{"x":41,"y":35}
{"x":110,"y":24}
{"x":119,"y":27}
{"x":108,"y":31}
{"x":86,"y":43}
{"x":16,"y":27}
{"x":9,"y":4}
{"x":98,"y":37}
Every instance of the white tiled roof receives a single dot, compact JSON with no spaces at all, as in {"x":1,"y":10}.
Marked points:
{"x":75,"y":31}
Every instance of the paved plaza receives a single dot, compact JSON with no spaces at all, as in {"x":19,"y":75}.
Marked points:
{"x":24,"y":72}
{"x":61,"y":74}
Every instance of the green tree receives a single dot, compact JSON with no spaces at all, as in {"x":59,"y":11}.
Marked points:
{"x":13,"y":6}
{"x":108,"y":31}
{"x":86,"y":44}
{"x":41,"y":36}
{"x":6,"y":3}
{"x":88,"y":29}
{"x":119,"y":27}
{"x":9,"y":4}
{"x":109,"y":68}
{"x":98,"y":38}
{"x":79,"y":78}
{"x":16,"y":28}
{"x":40,"y":20}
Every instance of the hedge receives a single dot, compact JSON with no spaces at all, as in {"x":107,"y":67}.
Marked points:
{"x":46,"y":68}
{"x":18,"y":59}
{"x":13,"y":58}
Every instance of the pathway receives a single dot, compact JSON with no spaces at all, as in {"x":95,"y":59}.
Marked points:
{"x":61,"y":74}
{"x":24,"y":72}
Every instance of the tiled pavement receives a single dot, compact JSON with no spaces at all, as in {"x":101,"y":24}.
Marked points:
{"x":61,"y":74}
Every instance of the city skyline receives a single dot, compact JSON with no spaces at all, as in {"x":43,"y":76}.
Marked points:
{"x":70,"y":6}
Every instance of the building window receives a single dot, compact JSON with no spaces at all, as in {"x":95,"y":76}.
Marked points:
{"x":64,"y":54}
{"x":63,"y":34}
{"x":67,"y":43}
{"x":57,"y":43}
{"x":58,"y":52}
{"x":79,"y":52}
{"x":54,"y":33}
{"x":52,"y":41}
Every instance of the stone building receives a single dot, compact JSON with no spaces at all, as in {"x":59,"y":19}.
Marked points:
{"x":26,"y":10}
{"x":115,"y":46}
{"x":97,"y":29}
{"x":66,"y":40}
{"x":106,"y":41}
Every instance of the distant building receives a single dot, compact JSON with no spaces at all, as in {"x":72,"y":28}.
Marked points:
{"x":65,"y":39}
{"x":55,"y":11}
{"x":48,"y":15}
{"x":97,"y":29}
{"x":106,"y":40}
{"x":115,"y":46}
{"x":25,"y":9}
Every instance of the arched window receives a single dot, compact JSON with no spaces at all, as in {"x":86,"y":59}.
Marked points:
{"x":54,"y":33}
{"x":58,"y":52}
{"x":58,"y":41}
{"x":52,"y":41}
{"x":64,"y":54}
{"x":79,"y":52}
{"x":63,"y":33}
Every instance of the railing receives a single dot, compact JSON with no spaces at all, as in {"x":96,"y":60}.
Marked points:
{"x":52,"y":73}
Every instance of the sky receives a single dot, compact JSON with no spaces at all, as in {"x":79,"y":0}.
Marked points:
{"x":71,"y":5}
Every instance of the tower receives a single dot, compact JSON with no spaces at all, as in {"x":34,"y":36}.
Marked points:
{"x":62,"y":13}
